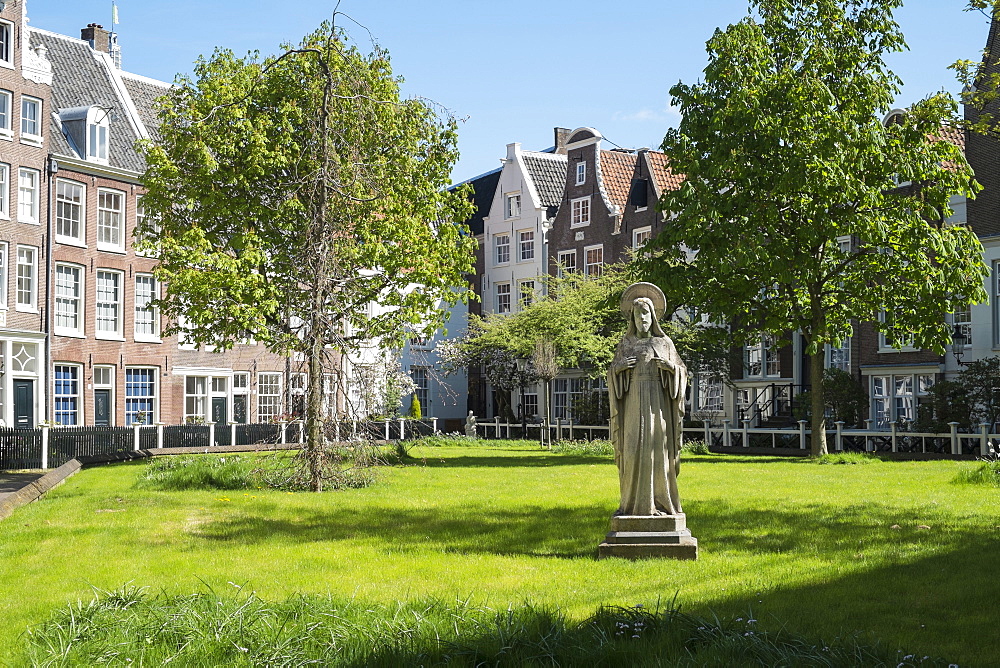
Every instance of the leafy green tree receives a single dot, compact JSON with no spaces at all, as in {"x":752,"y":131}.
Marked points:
{"x":287,"y":193}
{"x":844,"y":397}
{"x":947,"y":401}
{"x":786,"y":157}
{"x":415,"y":411}
{"x":980,"y":382}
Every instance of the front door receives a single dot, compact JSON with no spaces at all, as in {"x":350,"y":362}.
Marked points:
{"x":24,"y":404}
{"x":240,"y":408}
{"x":102,"y":407}
{"x":219,"y":413}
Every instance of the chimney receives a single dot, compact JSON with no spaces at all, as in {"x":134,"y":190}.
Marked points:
{"x":561,"y":137}
{"x":97,"y":36}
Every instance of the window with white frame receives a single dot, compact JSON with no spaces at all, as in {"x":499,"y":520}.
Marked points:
{"x":27,"y":278}
{"x":69,"y":298}
{"x":67,"y":394}
{"x":526,"y":245}
{"x":896,"y":339}
{"x":526,"y":293}
{"x":963,"y":322}
{"x":895,"y":398}
{"x":760,"y":358}
{"x":108,"y":321}
{"x":27,"y":195}
{"x":6,"y":107}
{"x":501,"y":245}
{"x":195,"y":399}
{"x":145,"y":313}
{"x":566,"y":261}
{"x":241,"y":383}
{"x":97,"y":140}
{"x":268,"y":396}
{"x":4,"y":190}
{"x":839,"y":357}
{"x":503,"y":297}
{"x":512,"y":205}
{"x":565,"y":392}
{"x":3,"y":275}
{"x":593,"y":260}
{"x":110,"y":219}
{"x":6,"y":44}
{"x":297,"y":394}
{"x":70,"y":197}
{"x":709,"y":394}
{"x":140,"y":224}
{"x":140,"y":395}
{"x":580,"y":212}
{"x":421,"y":380}
{"x":640,"y":236}
{"x":31,"y":119}
{"x":581,"y":173}
{"x":530,"y":406}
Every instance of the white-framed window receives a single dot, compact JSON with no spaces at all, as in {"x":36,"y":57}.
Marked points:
{"x":69,"y":299}
{"x":140,"y":222}
{"x":4,"y":190}
{"x":526,"y":293}
{"x":640,"y":236}
{"x":27,"y":195}
{"x":530,"y":406}
{"x":241,"y":382}
{"x":27,"y":278}
{"x":503,"y":297}
{"x":580,"y":212}
{"x":195,"y":399}
{"x":963,"y":321}
{"x":268,"y":396}
{"x":839,"y":357}
{"x":146,"y":317}
{"x":894,"y":342}
{"x":525,"y":245}
{"x":593,"y":260}
{"x":565,"y":392}
{"x":6,"y":44}
{"x":421,"y":378}
{"x":108,"y":320}
{"x":110,"y":220}
{"x":31,"y":119}
{"x":140,"y":395}
{"x":66,"y":395}
{"x":895,"y":398}
{"x":512,"y":205}
{"x":3,"y":275}
{"x":581,"y":173}
{"x":760,"y":358}
{"x":97,"y":140}
{"x":710,"y":396}
{"x":566,"y":261}
{"x":6,"y":114}
{"x":70,"y":225}
{"x":501,"y":246}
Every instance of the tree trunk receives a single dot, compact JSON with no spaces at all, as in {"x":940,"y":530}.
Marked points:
{"x":818,"y":426}
{"x":314,"y":444}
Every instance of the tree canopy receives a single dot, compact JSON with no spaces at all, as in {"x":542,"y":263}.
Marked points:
{"x":791,"y":217}
{"x":286,"y":193}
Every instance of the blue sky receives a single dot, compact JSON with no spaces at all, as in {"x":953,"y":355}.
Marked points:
{"x":511,"y":70}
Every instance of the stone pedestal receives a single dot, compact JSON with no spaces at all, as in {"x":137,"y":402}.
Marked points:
{"x":637,"y":537}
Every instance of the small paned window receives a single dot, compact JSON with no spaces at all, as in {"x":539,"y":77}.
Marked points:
{"x":27,"y":273}
{"x":6,"y":101}
{"x":567,"y":262}
{"x":97,"y":141}
{"x":501,"y":245}
{"x":526,"y":245}
{"x":527,"y":293}
{"x":110,"y":219}
{"x":27,"y":195}
{"x":69,"y":211}
{"x":140,"y":395}
{"x":594,"y":262}
{"x":67,"y":394}
{"x":31,"y":117}
{"x":145,"y":312}
{"x":503,"y":297}
{"x":4,"y":190}
{"x":581,"y":173}
{"x":69,"y":293}
{"x":512,"y":208}
{"x":580,"y":212}
{"x":268,"y":396}
{"x":109,"y":302}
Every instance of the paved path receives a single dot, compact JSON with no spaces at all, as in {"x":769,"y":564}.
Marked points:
{"x":11,"y":482}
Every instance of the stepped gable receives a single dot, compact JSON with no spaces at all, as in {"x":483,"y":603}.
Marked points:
{"x":664,"y":177}
{"x":617,"y":170}
{"x":548,"y":172}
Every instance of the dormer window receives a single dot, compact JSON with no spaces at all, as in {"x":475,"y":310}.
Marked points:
{"x":581,"y":173}
{"x":6,"y":42}
{"x":88,"y":131}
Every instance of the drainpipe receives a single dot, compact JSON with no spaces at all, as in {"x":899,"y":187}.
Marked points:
{"x":53,"y":168}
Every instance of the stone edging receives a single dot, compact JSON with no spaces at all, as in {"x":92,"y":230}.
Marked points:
{"x":35,"y":490}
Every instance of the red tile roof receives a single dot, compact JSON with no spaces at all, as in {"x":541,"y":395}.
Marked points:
{"x":665,"y":178}
{"x":617,"y":169}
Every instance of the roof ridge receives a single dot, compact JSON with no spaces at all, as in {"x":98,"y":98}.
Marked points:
{"x":43,"y":31}
{"x":144,"y":79}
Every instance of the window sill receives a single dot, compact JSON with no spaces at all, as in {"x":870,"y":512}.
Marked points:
{"x":108,"y":337}
{"x":32,"y":140}
{"x":6,"y":135}
{"x":28,"y":221}
{"x":4,"y":216}
{"x":579,"y":225}
{"x":70,"y":334}
{"x":147,"y":339}
{"x":528,"y":261}
{"x":69,"y":241}
{"x":7,"y":64}
{"x":904,"y":349}
{"x":118,"y":250}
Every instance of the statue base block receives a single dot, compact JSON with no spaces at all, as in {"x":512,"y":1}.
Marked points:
{"x":638,"y":537}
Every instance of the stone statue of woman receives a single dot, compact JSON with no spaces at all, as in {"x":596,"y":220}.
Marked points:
{"x":646,"y":385}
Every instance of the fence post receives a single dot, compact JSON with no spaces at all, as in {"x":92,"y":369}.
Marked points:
{"x":387,"y":429}
{"x":159,"y":435}
{"x":282,"y":424}
{"x":984,"y":446}
{"x":708,"y":433}
{"x":571,"y":429}
{"x":211,"y":434}
{"x":868,"y":427}
{"x":232,"y":434}
{"x":839,"y":443}
{"x":802,"y":434}
{"x":956,"y":448}
{"x":558,"y":429}
{"x":746,"y":432}
{"x":892,"y":425}
{"x":336,"y":429}
{"x":434,"y":424}
{"x":135,"y":437}
{"x":402,"y":429}
{"x":45,"y":446}
{"x":302,"y":432}
{"x":726,"y":438}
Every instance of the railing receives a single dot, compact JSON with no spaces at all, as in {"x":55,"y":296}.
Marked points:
{"x":774,"y":400}
{"x":559,"y":430}
{"x":982,"y":443}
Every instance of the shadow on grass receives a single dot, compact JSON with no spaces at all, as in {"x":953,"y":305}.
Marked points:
{"x":479,"y":461}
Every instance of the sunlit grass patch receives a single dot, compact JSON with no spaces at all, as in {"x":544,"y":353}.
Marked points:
{"x":982,"y":473}
{"x":848,"y":458}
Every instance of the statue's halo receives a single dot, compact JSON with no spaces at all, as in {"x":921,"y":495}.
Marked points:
{"x":647,"y":290}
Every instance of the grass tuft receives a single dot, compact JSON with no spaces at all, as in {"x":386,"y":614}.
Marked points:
{"x":848,"y":458}
{"x":129,"y":626}
{"x":584,"y":448}
{"x":984,"y":473}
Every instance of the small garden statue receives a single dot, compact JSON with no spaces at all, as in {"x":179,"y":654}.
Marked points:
{"x":470,"y":425}
{"x":646,"y":387}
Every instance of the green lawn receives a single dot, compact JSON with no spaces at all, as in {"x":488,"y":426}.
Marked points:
{"x":808,"y":547}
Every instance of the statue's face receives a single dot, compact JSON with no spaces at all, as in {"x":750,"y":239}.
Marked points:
{"x":643,"y":318}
